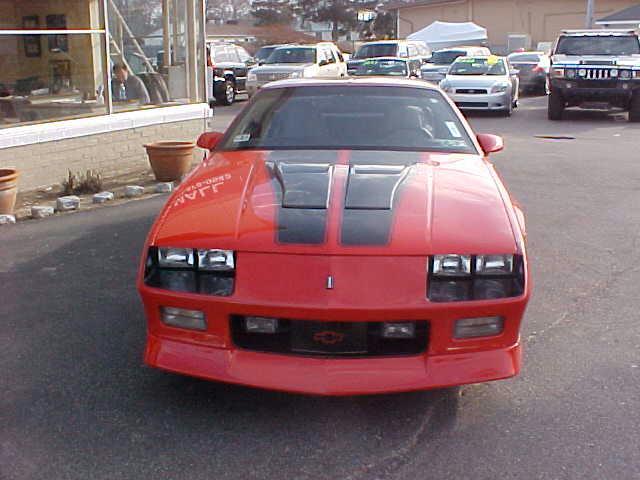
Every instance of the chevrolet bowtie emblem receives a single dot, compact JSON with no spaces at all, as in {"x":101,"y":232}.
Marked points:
{"x":330,"y":282}
{"x":328,"y":337}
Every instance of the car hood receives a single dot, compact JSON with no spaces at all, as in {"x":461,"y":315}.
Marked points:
{"x":627,"y":60}
{"x":430,"y":67}
{"x":339,"y":203}
{"x":477,"y":81}
{"x":281,"y":67}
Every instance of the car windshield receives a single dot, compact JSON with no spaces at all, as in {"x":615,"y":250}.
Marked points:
{"x":349,"y":117}
{"x":524,"y":58}
{"x":595,"y":45}
{"x":377,"y":50}
{"x":382,"y":67}
{"x":478,"y":66}
{"x":292,"y":55}
{"x":264,"y":53}
{"x":446,"y":57}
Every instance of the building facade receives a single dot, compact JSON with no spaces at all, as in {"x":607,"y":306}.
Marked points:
{"x":64,"y":106}
{"x":540,"y":20}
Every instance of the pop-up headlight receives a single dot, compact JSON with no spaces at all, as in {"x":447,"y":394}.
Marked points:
{"x":457,"y":278}
{"x":208,"y":272}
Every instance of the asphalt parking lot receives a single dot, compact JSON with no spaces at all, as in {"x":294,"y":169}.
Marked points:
{"x":77,"y":403}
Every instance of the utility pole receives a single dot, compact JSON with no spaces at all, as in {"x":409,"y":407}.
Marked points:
{"x":590,"y":9}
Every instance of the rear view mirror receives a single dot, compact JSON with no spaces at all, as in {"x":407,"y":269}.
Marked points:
{"x":209,"y":140}
{"x":490,"y":143}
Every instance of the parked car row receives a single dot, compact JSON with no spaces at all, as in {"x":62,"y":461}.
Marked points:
{"x":589,"y":69}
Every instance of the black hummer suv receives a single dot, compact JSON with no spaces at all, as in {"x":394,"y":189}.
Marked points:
{"x":596,"y":69}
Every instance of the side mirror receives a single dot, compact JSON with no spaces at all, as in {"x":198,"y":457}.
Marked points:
{"x":513,"y":71}
{"x":209,"y":140}
{"x":323,"y":63}
{"x":490,"y":143}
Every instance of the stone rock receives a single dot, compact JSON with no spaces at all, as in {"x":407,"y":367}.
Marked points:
{"x":65,"y":204}
{"x":7,"y":219}
{"x":102,"y":197}
{"x":164,"y":187}
{"x":41,"y":211}
{"x":131,"y":191}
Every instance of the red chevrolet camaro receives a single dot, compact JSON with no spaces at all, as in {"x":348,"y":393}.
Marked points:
{"x":343,"y":237}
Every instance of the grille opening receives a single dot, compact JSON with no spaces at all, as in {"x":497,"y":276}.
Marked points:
{"x":329,"y":339}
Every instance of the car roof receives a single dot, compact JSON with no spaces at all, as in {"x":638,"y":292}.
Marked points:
{"x":389,"y":57}
{"x":383,"y":42}
{"x":500,"y":57}
{"x":598,"y":33}
{"x":351,"y":82}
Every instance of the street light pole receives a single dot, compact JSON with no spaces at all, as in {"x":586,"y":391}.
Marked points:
{"x":590,"y":8}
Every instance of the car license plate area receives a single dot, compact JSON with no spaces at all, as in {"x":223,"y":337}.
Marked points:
{"x":328,"y":339}
{"x":334,"y":338}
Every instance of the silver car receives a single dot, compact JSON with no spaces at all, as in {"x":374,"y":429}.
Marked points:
{"x":482,"y":83}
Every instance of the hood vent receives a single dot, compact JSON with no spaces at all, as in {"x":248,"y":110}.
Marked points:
{"x":302,"y":191}
{"x":369,"y":202}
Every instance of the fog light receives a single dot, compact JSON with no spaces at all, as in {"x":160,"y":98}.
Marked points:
{"x":260,"y":325}
{"x":399,"y":330}
{"x":181,"y":318}
{"x":478,"y":327}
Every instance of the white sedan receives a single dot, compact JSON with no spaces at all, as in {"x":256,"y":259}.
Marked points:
{"x":482,"y":83}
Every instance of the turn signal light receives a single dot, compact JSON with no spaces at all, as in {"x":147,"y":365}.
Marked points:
{"x":182,"y":318}
{"x":478,"y":327}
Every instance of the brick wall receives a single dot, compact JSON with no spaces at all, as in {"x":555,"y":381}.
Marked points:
{"x":110,"y":153}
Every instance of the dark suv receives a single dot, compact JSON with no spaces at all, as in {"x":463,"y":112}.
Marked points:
{"x":412,"y":49}
{"x":230,"y":64}
{"x":595,"y":69}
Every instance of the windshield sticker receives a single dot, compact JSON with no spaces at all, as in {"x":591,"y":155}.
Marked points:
{"x":453,"y":128}
{"x":466,"y":60}
{"x":492,"y":60}
{"x":245,"y":137}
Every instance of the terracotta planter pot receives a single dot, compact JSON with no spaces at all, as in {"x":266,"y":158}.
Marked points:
{"x":8,"y":190}
{"x":170,"y":161}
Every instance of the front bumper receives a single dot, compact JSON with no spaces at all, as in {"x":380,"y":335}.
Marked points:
{"x":482,"y":101}
{"x":614,"y":92}
{"x":321,"y":376}
{"x":212,"y":355}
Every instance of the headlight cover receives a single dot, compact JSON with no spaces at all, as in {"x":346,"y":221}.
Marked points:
{"x":499,"y":88}
{"x":252,"y":77}
{"x":207,"y":272}
{"x":458,"y":278}
{"x":296,"y":74}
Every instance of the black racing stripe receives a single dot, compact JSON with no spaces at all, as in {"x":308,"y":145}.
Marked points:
{"x":369,"y":202}
{"x":302,"y":192}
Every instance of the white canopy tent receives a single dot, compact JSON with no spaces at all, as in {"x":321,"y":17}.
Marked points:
{"x":444,"y":34}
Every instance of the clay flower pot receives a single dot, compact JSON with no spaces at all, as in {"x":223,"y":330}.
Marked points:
{"x":8,"y":190}
{"x":170,"y":161}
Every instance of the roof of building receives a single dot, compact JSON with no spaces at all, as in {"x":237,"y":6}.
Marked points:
{"x":628,"y":15}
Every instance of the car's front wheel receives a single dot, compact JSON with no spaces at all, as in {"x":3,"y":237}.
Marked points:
{"x":228,"y":94}
{"x":634,"y":108}
{"x":555,"y":107}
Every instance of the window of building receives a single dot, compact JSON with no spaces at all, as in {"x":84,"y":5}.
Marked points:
{"x":64,"y":59}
